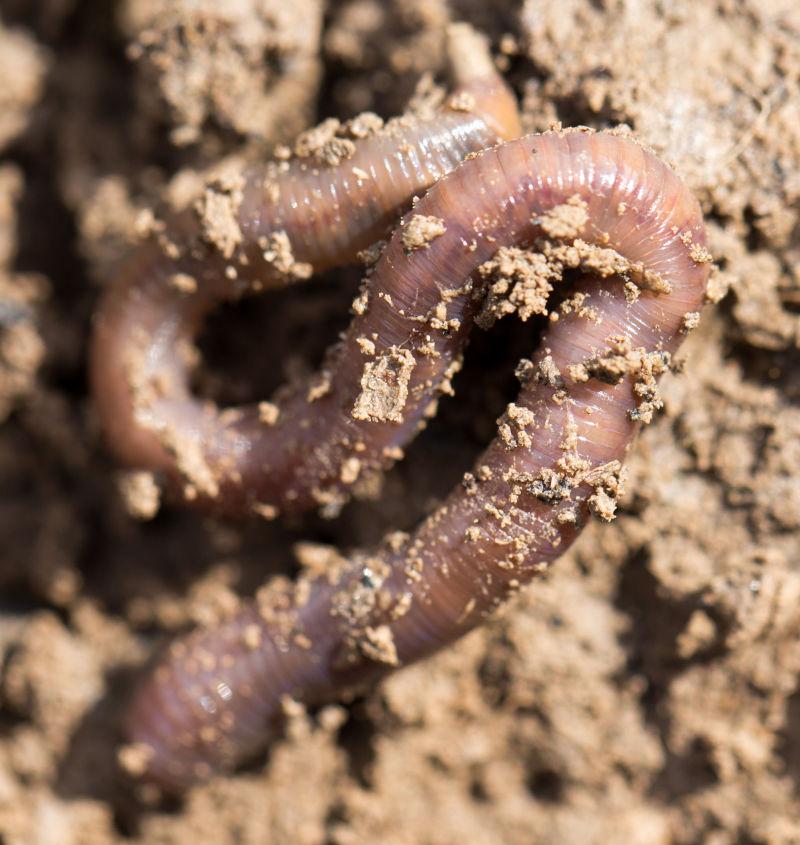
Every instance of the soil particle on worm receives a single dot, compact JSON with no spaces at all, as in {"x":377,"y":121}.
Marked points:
{"x":420,"y":230}
{"x":384,"y":387}
{"x":218,"y":210}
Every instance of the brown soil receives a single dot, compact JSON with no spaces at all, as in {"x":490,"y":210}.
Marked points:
{"x":647,"y":691}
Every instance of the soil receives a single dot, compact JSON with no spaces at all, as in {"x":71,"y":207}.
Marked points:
{"x":647,"y":691}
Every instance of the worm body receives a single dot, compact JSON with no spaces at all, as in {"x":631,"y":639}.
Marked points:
{"x":599,"y":202}
{"x":272,"y":226}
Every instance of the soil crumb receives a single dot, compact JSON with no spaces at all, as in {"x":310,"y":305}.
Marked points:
{"x":420,"y":231}
{"x":384,"y":387}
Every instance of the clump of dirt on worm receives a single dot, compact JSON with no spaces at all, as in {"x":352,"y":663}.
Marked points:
{"x":647,"y":691}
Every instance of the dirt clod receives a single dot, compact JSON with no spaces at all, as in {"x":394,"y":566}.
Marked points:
{"x":384,"y":387}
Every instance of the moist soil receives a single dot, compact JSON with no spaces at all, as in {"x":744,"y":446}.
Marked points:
{"x":647,"y":690}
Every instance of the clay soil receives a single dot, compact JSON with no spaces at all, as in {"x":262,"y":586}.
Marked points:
{"x":648,"y":691}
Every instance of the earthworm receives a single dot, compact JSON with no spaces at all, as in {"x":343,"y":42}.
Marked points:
{"x":271,"y":226}
{"x":597,"y":202}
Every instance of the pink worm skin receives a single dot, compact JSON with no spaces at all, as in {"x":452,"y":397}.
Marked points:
{"x":216,"y":694}
{"x":229,"y":461}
